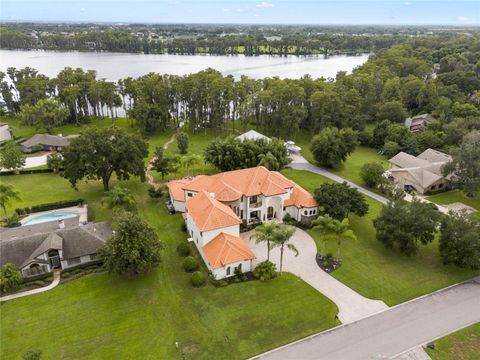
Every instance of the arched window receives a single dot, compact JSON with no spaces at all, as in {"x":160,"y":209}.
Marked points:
{"x":228,"y":270}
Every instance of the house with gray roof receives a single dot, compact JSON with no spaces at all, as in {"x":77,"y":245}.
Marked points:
{"x":419,"y":123}
{"x":422,"y":172}
{"x":42,"y":250}
{"x":45,"y":142}
{"x":252,"y":135}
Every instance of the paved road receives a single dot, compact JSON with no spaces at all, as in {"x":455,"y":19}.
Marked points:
{"x":300,"y":163}
{"x":351,"y":305}
{"x":394,"y":331}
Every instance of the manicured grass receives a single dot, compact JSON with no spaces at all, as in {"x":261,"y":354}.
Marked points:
{"x":103,"y":316}
{"x":453,"y":196}
{"x":350,"y":169}
{"x":36,"y":189}
{"x":380,"y":273}
{"x":462,"y":345}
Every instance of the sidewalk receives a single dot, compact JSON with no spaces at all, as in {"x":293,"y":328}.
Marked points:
{"x":55,"y":282}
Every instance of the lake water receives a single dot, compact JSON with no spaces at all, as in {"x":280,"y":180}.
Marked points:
{"x":114,"y":66}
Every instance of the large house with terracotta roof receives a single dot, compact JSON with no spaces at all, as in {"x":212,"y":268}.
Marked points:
{"x":215,"y":206}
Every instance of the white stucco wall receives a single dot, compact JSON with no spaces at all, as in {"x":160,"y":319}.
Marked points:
{"x":221,"y":273}
{"x":83,"y":260}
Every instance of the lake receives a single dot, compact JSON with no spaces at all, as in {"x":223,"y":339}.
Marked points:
{"x":114,"y":66}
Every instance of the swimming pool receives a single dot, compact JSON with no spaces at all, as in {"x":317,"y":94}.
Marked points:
{"x":51,"y":217}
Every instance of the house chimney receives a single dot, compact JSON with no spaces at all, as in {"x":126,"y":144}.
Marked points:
{"x":212,"y":195}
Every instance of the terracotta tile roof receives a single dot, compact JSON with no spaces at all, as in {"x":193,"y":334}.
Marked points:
{"x":231,"y":185}
{"x":209,"y":213}
{"x":226,"y":249}
{"x":300,"y":198}
{"x":176,"y":189}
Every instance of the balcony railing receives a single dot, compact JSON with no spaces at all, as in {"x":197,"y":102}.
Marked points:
{"x":255,"y":205}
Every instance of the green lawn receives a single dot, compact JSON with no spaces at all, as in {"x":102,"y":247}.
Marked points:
{"x":102,"y":316}
{"x":462,"y":345}
{"x":455,"y":196}
{"x":379,"y":273}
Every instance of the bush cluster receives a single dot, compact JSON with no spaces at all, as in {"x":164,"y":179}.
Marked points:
{"x":49,"y":206}
{"x":189,"y":264}
{"x":198,"y":279}
{"x":183,"y":249}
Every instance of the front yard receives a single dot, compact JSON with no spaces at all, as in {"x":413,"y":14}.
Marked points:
{"x":461,"y":345}
{"x":379,"y":273}
{"x":103,"y":316}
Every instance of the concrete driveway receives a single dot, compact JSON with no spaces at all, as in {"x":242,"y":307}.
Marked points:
{"x":352,"y":306}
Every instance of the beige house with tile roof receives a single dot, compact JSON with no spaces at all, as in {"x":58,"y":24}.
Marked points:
{"x":422,"y":172}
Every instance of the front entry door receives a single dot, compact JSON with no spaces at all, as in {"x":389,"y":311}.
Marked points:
{"x":55,"y":262}
{"x":270,"y":213}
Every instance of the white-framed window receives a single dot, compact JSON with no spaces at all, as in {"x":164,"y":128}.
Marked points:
{"x":93,"y":257}
{"x":228,"y":270}
{"x":73,"y":261}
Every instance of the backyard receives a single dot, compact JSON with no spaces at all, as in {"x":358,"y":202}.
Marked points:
{"x":377,"y":272}
{"x":143,"y":318}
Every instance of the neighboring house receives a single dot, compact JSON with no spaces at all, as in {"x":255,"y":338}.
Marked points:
{"x":216,"y":205}
{"x":423,"y":173}
{"x":5,"y":132}
{"x":252,"y":135}
{"x":44,"y":142}
{"x":41,"y":251}
{"x":419,"y":123}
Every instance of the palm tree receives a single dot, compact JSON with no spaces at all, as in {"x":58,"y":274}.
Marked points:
{"x":7,"y":194}
{"x":265,"y":233}
{"x":281,"y":237}
{"x":340,"y":230}
{"x":191,"y":160}
{"x":324,"y":225}
{"x":119,"y":197}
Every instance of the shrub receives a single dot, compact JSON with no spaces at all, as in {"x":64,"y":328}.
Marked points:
{"x":265,"y":270}
{"x":184,"y":227}
{"x":155,"y":194}
{"x":189,"y":264}
{"x":37,"y":282}
{"x":32,"y":355}
{"x":183,"y":249}
{"x":10,"y":277}
{"x":50,"y":206}
{"x":90,"y":214}
{"x":48,"y":279}
{"x":77,"y":271}
{"x":66,"y":275}
{"x":372,"y":174}
{"x":223,"y":283}
{"x":198,"y":279}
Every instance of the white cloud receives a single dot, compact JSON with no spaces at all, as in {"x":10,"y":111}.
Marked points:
{"x":407,"y":3}
{"x":462,"y":18}
{"x":264,"y":5}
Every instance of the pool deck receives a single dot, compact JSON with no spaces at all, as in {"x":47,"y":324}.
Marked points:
{"x":81,"y":210}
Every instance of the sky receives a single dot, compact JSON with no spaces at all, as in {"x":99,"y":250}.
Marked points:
{"x":407,"y":12}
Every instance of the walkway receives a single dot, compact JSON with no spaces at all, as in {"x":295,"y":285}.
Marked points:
{"x":55,"y":282}
{"x":394,"y":331}
{"x":149,"y":176}
{"x":352,"y":306}
{"x":300,"y":163}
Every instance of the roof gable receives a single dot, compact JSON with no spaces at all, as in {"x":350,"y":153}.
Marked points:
{"x":209,"y":213}
{"x":226,"y":249}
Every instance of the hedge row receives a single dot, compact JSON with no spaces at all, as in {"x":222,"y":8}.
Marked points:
{"x":49,"y":206}
{"x":25,"y":172}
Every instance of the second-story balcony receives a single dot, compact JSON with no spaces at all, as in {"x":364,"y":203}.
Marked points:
{"x":255,"y":205}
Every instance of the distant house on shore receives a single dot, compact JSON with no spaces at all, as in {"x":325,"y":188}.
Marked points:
{"x":39,"y":142}
{"x":419,"y":123}
{"x":5,"y":132}
{"x":423,"y":172}
{"x":37,"y":250}
{"x":252,"y":135}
